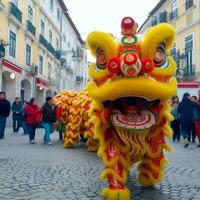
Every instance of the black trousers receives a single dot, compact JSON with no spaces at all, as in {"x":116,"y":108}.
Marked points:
{"x":175,"y":124}
{"x":188,"y":130}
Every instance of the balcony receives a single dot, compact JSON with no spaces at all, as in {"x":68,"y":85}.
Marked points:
{"x":173,"y":14}
{"x":189,"y":71}
{"x":43,"y":41}
{"x":57,"y":55}
{"x":79,"y":78}
{"x":30,"y":27}
{"x":50,"y":49}
{"x":15,"y":12}
{"x":189,"y":4}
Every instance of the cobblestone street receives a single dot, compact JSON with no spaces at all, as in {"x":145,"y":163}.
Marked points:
{"x":39,"y":172}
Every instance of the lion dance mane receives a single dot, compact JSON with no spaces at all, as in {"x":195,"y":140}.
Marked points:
{"x":127,"y":108}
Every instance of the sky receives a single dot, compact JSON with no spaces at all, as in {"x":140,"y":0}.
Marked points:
{"x":106,"y":15}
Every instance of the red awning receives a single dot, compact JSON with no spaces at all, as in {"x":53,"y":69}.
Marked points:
{"x":11,"y":66}
{"x":42,"y":82}
{"x":188,"y":85}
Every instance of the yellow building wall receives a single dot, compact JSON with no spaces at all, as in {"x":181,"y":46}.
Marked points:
{"x":184,"y":19}
{"x":3,"y":28}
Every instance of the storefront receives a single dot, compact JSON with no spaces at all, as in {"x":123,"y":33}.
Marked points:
{"x":191,"y":87}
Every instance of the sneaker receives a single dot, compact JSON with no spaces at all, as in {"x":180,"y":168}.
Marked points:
{"x":32,"y":142}
{"x":1,"y":137}
{"x":186,"y":143}
{"x":198,"y":145}
{"x":49,"y":143}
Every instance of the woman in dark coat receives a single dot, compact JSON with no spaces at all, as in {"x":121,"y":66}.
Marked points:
{"x":186,"y":110}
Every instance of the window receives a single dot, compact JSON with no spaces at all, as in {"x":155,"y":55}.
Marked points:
{"x":64,"y":37}
{"x":51,"y":5}
{"x":173,"y":50}
{"x":163,"y":17}
{"x":12,"y":46}
{"x":189,"y":4}
{"x":30,"y":14}
{"x":58,"y":14}
{"x":57,"y":44}
{"x":174,"y":10}
{"x":40,"y":64}
{"x":28,"y":55}
{"x":50,"y":37}
{"x":175,"y":54}
{"x":174,"y":6}
{"x":49,"y":71}
{"x":189,"y":54}
{"x":153,"y":22}
{"x":42,"y":26}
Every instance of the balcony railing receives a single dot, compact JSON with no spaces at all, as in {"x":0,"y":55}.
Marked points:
{"x":173,"y":14}
{"x":57,"y":55}
{"x":47,"y":45}
{"x":189,"y":70}
{"x":30,"y":27}
{"x":189,"y":4}
{"x":16,"y":12}
{"x":43,"y":41}
{"x":79,"y":78}
{"x":51,"y":49}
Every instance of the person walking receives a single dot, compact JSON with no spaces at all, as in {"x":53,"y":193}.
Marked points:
{"x":32,"y":111}
{"x":17,"y":109}
{"x":4,"y":113}
{"x":186,"y":110}
{"x":23,"y":119}
{"x":48,"y":119}
{"x":175,"y":124}
{"x":197,"y":118}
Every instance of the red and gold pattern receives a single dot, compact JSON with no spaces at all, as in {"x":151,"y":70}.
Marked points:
{"x":73,"y":111}
{"x":130,"y":108}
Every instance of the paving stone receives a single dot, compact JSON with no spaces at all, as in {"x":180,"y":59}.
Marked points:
{"x":40,"y":172}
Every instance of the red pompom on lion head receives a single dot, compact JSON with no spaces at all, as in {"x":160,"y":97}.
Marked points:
{"x":128,"y":26}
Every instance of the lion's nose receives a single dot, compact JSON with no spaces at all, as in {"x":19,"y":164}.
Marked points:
{"x":130,"y":65}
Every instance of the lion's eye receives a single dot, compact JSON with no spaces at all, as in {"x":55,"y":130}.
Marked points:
{"x":101,"y":59}
{"x":160,"y":58}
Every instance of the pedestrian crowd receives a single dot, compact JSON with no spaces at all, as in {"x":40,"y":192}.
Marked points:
{"x":29,"y":116}
{"x":186,"y":120}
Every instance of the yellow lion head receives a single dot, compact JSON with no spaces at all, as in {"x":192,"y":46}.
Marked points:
{"x":132,"y":75}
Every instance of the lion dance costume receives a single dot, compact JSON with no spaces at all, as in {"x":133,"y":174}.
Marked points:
{"x":73,"y":110}
{"x":129,"y":114}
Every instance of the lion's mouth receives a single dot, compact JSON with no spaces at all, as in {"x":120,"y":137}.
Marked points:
{"x":132,"y":113}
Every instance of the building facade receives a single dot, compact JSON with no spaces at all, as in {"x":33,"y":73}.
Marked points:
{"x":184,"y":15}
{"x":35,"y":36}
